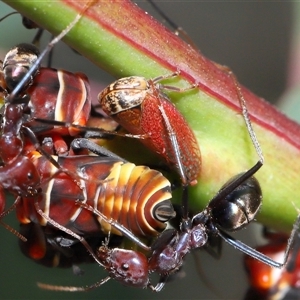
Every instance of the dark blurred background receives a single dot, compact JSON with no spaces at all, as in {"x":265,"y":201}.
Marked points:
{"x":252,"y":38}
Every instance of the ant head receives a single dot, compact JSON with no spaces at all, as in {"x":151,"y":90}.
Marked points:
{"x":127,"y":266}
{"x":24,"y":181}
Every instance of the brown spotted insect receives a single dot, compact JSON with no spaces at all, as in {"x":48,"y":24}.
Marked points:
{"x":141,"y":107}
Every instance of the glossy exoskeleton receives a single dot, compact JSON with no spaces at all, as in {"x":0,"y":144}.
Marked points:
{"x":61,"y":96}
{"x":20,"y":67}
{"x":18,"y":174}
{"x":33,"y":93}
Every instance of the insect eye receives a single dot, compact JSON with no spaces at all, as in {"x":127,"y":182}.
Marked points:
{"x":125,"y":267}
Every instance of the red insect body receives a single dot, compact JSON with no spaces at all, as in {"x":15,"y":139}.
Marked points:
{"x":58,"y":95}
{"x":62,"y":96}
{"x":137,"y":104}
{"x":135,"y":205}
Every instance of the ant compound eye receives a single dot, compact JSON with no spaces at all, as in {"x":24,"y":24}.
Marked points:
{"x":125,"y":267}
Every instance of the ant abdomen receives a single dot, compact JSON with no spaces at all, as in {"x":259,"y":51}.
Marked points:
{"x":239,"y":207}
{"x":17,"y":63}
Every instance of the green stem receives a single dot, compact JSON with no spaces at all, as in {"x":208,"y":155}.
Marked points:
{"x":122,"y":39}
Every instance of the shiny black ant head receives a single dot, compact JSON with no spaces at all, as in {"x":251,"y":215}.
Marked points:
{"x":17,"y":62}
{"x":239,"y":207}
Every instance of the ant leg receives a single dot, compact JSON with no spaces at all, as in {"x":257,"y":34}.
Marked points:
{"x":116,"y":225}
{"x":247,"y":120}
{"x":30,"y":134}
{"x":291,"y":265}
{"x":214,"y":247}
{"x":159,"y":286}
{"x":60,"y":169}
{"x":93,"y":131}
{"x":6,"y":212}
{"x":174,"y":142}
{"x":9,"y":14}
{"x":179,"y":164}
{"x":13,"y":231}
{"x":177,"y":29}
{"x":82,"y":143}
{"x":37,"y":38}
{"x":258,"y":255}
{"x":156,"y":80}
{"x":66,"y":230}
{"x":245,"y":112}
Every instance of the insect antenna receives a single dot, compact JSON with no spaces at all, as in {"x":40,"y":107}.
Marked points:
{"x":9,"y":14}
{"x":178,"y":30}
{"x":60,"y":288}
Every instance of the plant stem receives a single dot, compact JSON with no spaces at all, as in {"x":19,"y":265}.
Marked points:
{"x":124,"y":40}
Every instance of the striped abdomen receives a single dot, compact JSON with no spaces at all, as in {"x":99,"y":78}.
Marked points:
{"x":136,"y":196}
{"x":61,"y":96}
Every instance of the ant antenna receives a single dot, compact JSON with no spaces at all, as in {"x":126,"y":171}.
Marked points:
{"x":177,"y":29}
{"x":13,"y":231}
{"x":68,"y":231}
{"x":245,"y":113}
{"x":242,"y":101}
{"x":9,"y":228}
{"x":12,"y":13}
{"x":59,"y":288}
